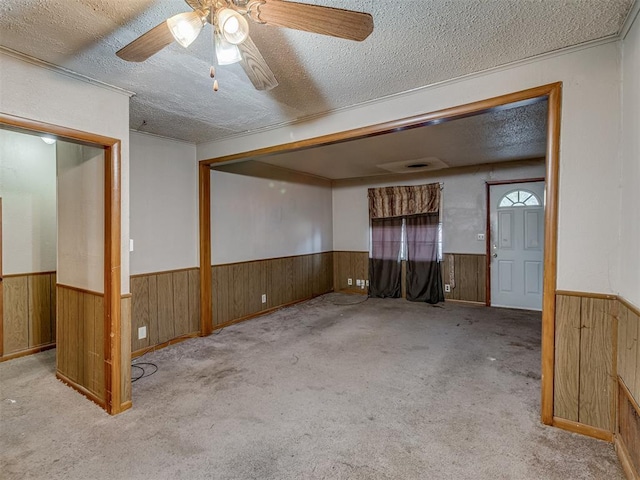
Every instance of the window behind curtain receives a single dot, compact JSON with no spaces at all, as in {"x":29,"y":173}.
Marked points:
{"x":384,"y":262}
{"x":424,"y":277}
{"x":405,"y":225}
{"x":403,"y":247}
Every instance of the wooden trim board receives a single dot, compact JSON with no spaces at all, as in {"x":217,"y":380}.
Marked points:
{"x":550,"y":266}
{"x":602,"y":296}
{"x":204,"y":225}
{"x":518,"y":180}
{"x":81,"y":290}
{"x":160,"y":272}
{"x":112,"y":241}
{"x":625,"y":460}
{"x":282,"y":258}
{"x":629,"y":305}
{"x":581,"y":428}
{"x":29,"y":351}
{"x":12,"y":275}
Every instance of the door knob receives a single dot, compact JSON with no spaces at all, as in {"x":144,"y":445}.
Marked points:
{"x":495,"y":255}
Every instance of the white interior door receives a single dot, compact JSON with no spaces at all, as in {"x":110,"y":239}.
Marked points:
{"x":517,"y":244}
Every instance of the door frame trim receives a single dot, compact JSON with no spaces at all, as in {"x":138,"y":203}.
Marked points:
{"x":112,"y":245}
{"x":552,"y":92}
{"x":487,"y":235}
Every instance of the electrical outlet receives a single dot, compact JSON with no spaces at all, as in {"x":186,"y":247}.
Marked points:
{"x":447,"y":288}
{"x":264,"y":298}
{"x":349,"y":281}
{"x":367,"y":283}
{"x":357,"y":282}
{"x":142,"y":333}
{"x":480,"y":237}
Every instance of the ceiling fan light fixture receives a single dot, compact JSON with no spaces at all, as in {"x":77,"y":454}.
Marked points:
{"x":185,"y":27}
{"x":226,"y":53}
{"x":234,"y":26}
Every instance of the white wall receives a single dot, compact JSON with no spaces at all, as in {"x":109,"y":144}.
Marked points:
{"x":28,"y":191}
{"x":630,"y":183}
{"x":590,"y":142}
{"x":38,"y":93}
{"x":260,"y":211}
{"x":80,"y":216}
{"x":464,"y":204}
{"x":164,"y":204}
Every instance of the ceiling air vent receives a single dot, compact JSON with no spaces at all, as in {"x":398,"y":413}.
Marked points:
{"x":415,"y":165}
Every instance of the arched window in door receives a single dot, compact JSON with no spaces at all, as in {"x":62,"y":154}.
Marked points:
{"x":519,"y":198}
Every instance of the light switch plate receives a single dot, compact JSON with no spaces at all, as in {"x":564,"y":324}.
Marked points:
{"x":142,"y":332}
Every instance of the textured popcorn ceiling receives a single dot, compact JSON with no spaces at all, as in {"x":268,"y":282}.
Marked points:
{"x":501,"y":135}
{"x":414,"y":43}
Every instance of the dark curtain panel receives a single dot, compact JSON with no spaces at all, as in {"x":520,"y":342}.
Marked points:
{"x":424,"y":278}
{"x":384,"y":264}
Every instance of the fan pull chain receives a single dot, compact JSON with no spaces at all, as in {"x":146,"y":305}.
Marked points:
{"x":212,"y":74}
{"x":212,"y":70}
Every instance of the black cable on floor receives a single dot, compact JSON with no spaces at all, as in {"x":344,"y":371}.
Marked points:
{"x":144,"y":371}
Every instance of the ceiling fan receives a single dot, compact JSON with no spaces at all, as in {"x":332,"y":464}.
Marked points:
{"x":231,"y":31}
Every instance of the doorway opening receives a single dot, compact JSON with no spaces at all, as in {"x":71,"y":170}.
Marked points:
{"x":98,"y":371}
{"x":551,"y":93}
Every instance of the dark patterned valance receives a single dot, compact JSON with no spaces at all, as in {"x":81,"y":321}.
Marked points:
{"x":388,"y":202}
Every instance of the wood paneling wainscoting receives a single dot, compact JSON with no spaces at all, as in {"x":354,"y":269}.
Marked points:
{"x":168,"y":304}
{"x":585,"y":363}
{"x":237,"y":288}
{"x":468,"y":282}
{"x":467,"y":275}
{"x":29,"y":317}
{"x":80,"y":355}
{"x":627,"y":439}
{"x":628,"y":348}
{"x":346,"y":265}
{"x":628,"y":424}
{"x":125,"y":352}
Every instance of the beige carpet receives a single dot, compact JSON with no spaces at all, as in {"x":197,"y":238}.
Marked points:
{"x":327,"y":389}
